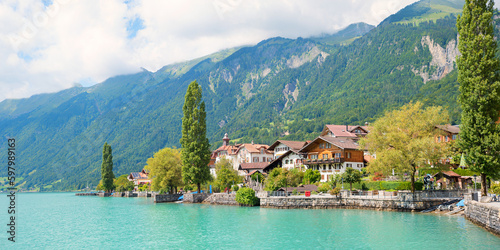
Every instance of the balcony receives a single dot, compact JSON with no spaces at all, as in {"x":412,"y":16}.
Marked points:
{"x":323,"y":161}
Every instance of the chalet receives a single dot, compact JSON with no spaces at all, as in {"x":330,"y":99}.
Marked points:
{"x":448,"y":133}
{"x":345,"y":131}
{"x":286,"y":154}
{"x":452,"y":180}
{"x":331,"y":155}
{"x":139,"y":178}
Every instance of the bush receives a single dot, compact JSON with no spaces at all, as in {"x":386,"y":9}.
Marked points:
{"x":324,"y":187}
{"x":235,"y":188}
{"x":314,"y":192}
{"x":246,"y":196}
{"x":334,"y":191}
{"x":295,"y":192}
{"x":495,"y":188}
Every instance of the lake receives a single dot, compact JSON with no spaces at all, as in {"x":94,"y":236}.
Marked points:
{"x":63,"y":220}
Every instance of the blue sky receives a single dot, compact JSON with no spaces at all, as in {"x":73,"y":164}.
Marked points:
{"x":50,"y":45}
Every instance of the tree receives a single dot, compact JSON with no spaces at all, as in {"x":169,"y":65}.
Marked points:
{"x":351,"y":176}
{"x":165,"y":167}
{"x":123,"y":184}
{"x":281,"y":177}
{"x":478,"y":75}
{"x":311,"y":176}
{"x":404,"y":140}
{"x":107,"y":175}
{"x":226,"y":175}
{"x":195,"y":152}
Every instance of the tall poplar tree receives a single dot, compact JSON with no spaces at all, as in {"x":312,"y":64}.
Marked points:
{"x":195,"y":151}
{"x":107,"y":175}
{"x":478,"y":75}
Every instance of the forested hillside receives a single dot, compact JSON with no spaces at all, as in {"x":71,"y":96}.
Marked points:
{"x":279,"y":88}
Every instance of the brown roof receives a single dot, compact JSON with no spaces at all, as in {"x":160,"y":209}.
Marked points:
{"x":339,"y":142}
{"x":294,"y":145}
{"x":451,"y":174}
{"x":253,"y":165}
{"x":449,"y":128}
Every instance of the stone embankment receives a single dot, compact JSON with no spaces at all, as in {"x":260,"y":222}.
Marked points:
{"x":222,"y":199}
{"x":329,"y":201}
{"x":160,"y":198}
{"x":195,"y":198}
{"x":483,"y":214}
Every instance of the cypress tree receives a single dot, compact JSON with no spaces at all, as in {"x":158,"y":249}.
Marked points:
{"x":479,"y":89}
{"x":107,"y":175}
{"x":195,"y":151}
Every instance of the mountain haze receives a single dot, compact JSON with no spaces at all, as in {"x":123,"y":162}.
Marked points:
{"x":279,"y":88}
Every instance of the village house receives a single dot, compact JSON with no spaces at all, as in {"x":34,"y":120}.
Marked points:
{"x":241,"y":153}
{"x":331,"y":155}
{"x":139,"y":178}
{"x":345,"y":131}
{"x":449,"y":133}
{"x":286,"y":154}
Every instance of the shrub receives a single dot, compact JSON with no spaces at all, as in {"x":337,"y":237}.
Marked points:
{"x":377,"y":176}
{"x":235,"y":188}
{"x":334,"y":191}
{"x":324,"y":187}
{"x":246,"y":196}
{"x":295,"y":192}
{"x":495,"y":188}
{"x":314,"y":192}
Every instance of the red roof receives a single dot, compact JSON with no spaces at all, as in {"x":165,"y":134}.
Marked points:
{"x":449,"y":128}
{"x":344,"y":130}
{"x":451,"y":174}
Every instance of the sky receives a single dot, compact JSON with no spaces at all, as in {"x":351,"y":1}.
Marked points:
{"x":51,"y":45}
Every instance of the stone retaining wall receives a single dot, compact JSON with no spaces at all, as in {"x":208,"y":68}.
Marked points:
{"x":484,"y":214}
{"x":159,"y":198}
{"x":334,"y":202}
{"x":130,"y":194}
{"x":195,"y":198}
{"x":104,"y":194}
{"x":221,"y":199}
{"x":143,"y":194}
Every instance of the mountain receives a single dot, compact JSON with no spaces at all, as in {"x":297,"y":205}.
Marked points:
{"x":279,"y":88}
{"x":346,"y":35}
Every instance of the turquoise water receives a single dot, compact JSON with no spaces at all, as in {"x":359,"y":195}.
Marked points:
{"x":63,"y":220}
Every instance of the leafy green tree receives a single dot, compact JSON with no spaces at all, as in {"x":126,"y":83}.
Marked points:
{"x":258,"y":176}
{"x":351,"y":176}
{"x":281,"y":177}
{"x":165,"y":168}
{"x":311,"y":176}
{"x":195,"y":152}
{"x":107,"y":175}
{"x":404,"y":140}
{"x":123,"y":184}
{"x":478,"y":75}
{"x":226,"y":175}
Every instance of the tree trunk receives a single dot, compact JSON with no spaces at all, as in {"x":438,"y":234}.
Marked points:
{"x":413,"y":182}
{"x":199,"y":187}
{"x":351,"y":185}
{"x":484,"y":190}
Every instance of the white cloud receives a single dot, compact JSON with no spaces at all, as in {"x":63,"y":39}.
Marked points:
{"x":49,"y":48}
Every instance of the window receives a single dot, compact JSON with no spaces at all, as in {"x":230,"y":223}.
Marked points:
{"x":263,"y":159}
{"x":439,"y":138}
{"x":446,"y":138}
{"x":328,"y":145}
{"x":322,"y":177}
{"x":314,"y":156}
{"x":321,"y":145}
{"x":337,"y":155}
{"x":325,"y":156}
{"x":348,"y":155}
{"x":255,"y":159}
{"x":349,"y":165}
{"x":261,"y":151}
{"x":360,"y":165}
{"x":330,"y":167}
{"x":286,"y":161}
{"x":454,"y":137}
